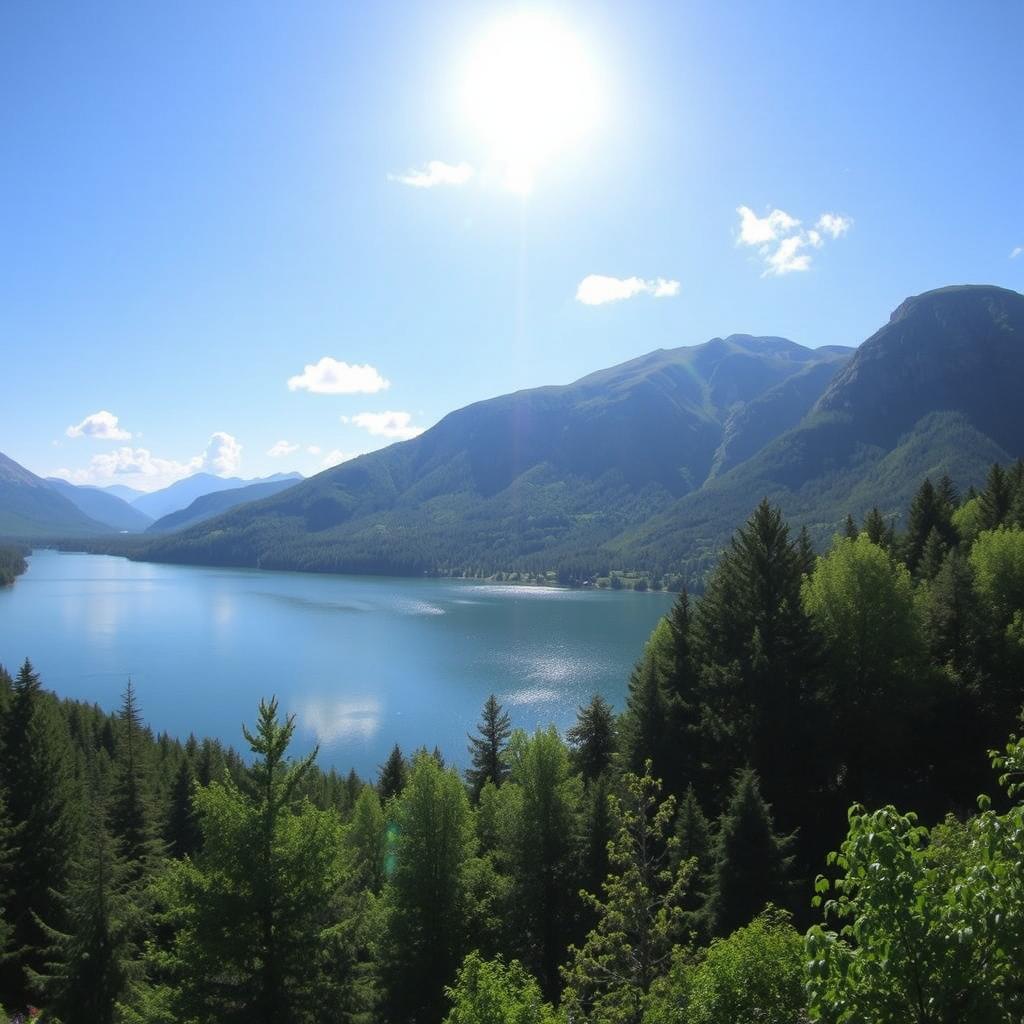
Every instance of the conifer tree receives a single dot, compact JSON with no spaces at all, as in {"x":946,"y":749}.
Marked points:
{"x":639,"y":917}
{"x":694,"y":843}
{"x":996,"y":500}
{"x":393,"y":773}
{"x":41,"y":803}
{"x":366,"y":836}
{"x":486,"y":749}
{"x":925,"y":515}
{"x":932,"y":556}
{"x":879,"y":532}
{"x":252,"y":912}
{"x":182,"y":834}
{"x":592,"y":738}
{"x":752,"y":863}
{"x":597,"y":833}
{"x":90,"y":961}
{"x":850,"y":528}
{"x":952,"y":614}
{"x":425,"y":899}
{"x":806,"y":554}
{"x":645,"y":725}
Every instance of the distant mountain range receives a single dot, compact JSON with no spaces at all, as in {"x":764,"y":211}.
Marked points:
{"x":208,"y":505}
{"x":653,"y":463}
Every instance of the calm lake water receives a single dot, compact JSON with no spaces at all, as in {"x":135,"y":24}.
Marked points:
{"x":362,"y":662}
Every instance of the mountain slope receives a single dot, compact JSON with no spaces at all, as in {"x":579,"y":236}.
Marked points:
{"x":210,"y":505}
{"x":516,"y":477}
{"x":181,"y":494}
{"x":30,"y":507}
{"x":105,"y":508}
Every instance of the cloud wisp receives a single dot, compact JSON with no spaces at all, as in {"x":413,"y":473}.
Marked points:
{"x":391,"y":424}
{"x":334,"y":377}
{"x":101,"y":425}
{"x":784,"y":245}
{"x":598,"y":289}
{"x":280,"y":449}
{"x":1016,"y":251}
{"x":435,"y":173}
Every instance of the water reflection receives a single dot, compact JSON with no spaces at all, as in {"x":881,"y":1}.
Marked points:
{"x":346,"y":719}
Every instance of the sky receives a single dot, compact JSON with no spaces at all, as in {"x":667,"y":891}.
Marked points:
{"x":251,"y":238}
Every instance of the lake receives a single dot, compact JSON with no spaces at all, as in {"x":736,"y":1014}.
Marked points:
{"x":362,"y":662}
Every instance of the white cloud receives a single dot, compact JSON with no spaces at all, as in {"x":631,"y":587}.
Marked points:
{"x":1016,"y":251}
{"x":223,"y":454}
{"x":834,"y":224}
{"x":313,"y":449}
{"x":385,"y":424}
{"x":139,"y":467}
{"x":782,"y":243}
{"x":332,"y":377}
{"x":437,"y":172}
{"x":280,"y":449}
{"x":101,"y":425}
{"x":597,"y":289}
{"x":756,"y":230}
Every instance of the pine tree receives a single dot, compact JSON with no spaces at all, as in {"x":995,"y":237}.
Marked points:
{"x":850,"y":528}
{"x":366,"y":836}
{"x":41,"y":801}
{"x":645,"y":724}
{"x":131,"y":814}
{"x":996,"y":500}
{"x":752,"y":863}
{"x":182,"y":833}
{"x":393,"y":773}
{"x":253,"y":912}
{"x":879,"y":532}
{"x":89,"y":963}
{"x":597,"y":833}
{"x":639,"y":917}
{"x":486,"y":750}
{"x":592,"y":738}
{"x":806,"y":555}
{"x":694,"y":843}
{"x":932,"y":556}
{"x":925,"y":515}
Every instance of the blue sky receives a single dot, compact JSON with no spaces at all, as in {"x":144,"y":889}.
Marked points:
{"x":201,"y":200}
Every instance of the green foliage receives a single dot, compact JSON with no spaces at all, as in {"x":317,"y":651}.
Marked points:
{"x":639,"y":915}
{"x":12,"y":563}
{"x":486,"y":751}
{"x":997,"y":558}
{"x":755,"y":976}
{"x":367,"y":838}
{"x":593,"y":738}
{"x":493,"y":992}
{"x":393,"y":774}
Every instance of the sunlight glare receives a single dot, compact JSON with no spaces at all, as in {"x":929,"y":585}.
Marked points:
{"x":530,"y":92}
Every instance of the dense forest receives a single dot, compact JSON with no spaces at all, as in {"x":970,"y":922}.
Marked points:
{"x":12,"y":563}
{"x":736,"y":846}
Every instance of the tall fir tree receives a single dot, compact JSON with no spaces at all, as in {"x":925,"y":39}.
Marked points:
{"x":487,"y":748}
{"x":181,"y":832}
{"x":996,"y":500}
{"x":752,"y":863}
{"x":393,"y":774}
{"x":593,"y":738}
{"x":878,"y":530}
{"x":42,"y":801}
{"x":694,"y":842}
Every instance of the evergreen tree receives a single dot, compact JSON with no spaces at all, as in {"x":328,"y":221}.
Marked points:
{"x":850,"y":528}
{"x":592,"y":738}
{"x":806,"y":554}
{"x":952,"y":616}
{"x":927,"y":513}
{"x":486,"y":750}
{"x":252,"y":913}
{"x":131,"y":817}
{"x":90,"y":962}
{"x":393,"y":773}
{"x":752,"y":863}
{"x":996,"y":500}
{"x":366,"y":836}
{"x":932,"y":556}
{"x":646,"y":729}
{"x":37,"y":767}
{"x":597,"y":833}
{"x":639,"y":917}
{"x":878,"y":530}
{"x":694,"y":842}
{"x":182,"y":834}
{"x":425,"y":899}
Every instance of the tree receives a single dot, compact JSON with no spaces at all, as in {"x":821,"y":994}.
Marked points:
{"x":252,"y":913}
{"x":645,"y":724}
{"x":752,"y":862}
{"x":995,"y":500}
{"x":425,"y":898}
{"x":89,"y":962}
{"x":755,"y":976}
{"x":694,"y":843}
{"x":593,"y":738}
{"x":930,"y":510}
{"x":879,"y":532}
{"x":931,"y":923}
{"x":41,"y":804}
{"x":367,"y":838}
{"x":182,"y":833}
{"x":639,"y":915}
{"x":393,"y":774}
{"x":493,"y":992}
{"x":487,"y":749}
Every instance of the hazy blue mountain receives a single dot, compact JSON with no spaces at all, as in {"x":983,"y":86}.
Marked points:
{"x":181,"y":494}
{"x":123,"y":492}
{"x":210,"y":505}
{"x":31,"y":507}
{"x":102,"y":506}
{"x":527,"y":475}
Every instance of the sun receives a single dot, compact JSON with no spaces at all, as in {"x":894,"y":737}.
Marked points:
{"x":530,"y":92}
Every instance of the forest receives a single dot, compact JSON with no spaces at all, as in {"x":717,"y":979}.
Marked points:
{"x":784,"y":824}
{"x":12,"y":563}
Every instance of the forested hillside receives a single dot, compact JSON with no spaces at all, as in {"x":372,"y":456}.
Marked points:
{"x":651,"y":867}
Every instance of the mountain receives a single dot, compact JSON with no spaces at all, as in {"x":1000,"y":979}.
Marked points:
{"x":123,"y":492}
{"x":210,"y":505}
{"x":102,"y":506}
{"x":31,"y":507}
{"x":540,"y":474}
{"x":936,"y":390}
{"x":181,"y":494}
